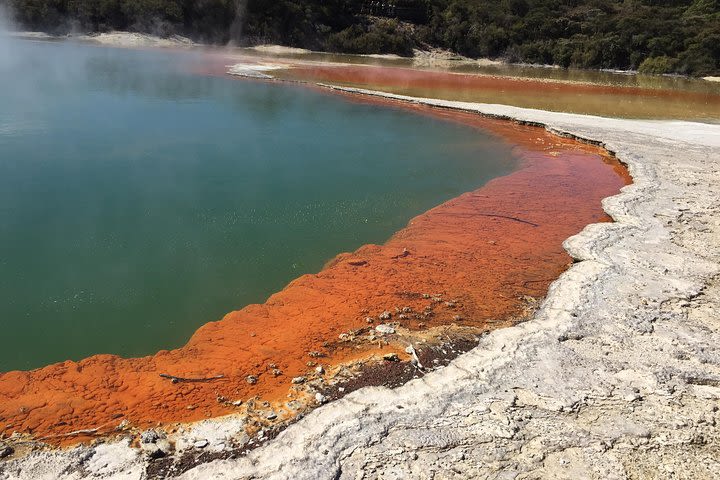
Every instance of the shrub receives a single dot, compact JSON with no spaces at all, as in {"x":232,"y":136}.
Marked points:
{"x":659,"y":36}
{"x":657,"y":65}
{"x":376,"y":37}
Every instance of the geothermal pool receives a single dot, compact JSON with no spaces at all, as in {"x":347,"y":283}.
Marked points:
{"x":139,"y":201}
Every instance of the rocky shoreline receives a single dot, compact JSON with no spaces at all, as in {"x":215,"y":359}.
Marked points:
{"x":616,"y":374}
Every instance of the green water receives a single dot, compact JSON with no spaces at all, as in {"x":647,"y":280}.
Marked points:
{"x":139,"y":201}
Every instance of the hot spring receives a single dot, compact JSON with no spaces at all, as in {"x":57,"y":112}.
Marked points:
{"x":139,"y":200}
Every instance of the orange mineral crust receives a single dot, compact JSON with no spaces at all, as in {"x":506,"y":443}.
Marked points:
{"x":483,"y":252}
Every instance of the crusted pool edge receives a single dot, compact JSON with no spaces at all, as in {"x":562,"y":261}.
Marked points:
{"x":615,"y":376}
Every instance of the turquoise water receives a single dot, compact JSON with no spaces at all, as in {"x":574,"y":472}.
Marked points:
{"x":139,"y":201}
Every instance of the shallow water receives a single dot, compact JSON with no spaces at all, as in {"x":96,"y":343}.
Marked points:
{"x":684,"y":99}
{"x":138,"y":201}
{"x":575,"y":75}
{"x":593,"y":92}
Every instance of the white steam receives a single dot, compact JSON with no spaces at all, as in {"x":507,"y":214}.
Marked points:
{"x":5,"y":29}
{"x":5,"y":21}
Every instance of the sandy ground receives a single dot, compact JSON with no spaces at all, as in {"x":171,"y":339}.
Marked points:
{"x":116,"y":39}
{"x":439,"y":58}
{"x":254,"y":70}
{"x":616,"y":376}
{"x":136,"y":40}
{"x":279,"y":50}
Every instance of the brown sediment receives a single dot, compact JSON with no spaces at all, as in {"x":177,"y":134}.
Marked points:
{"x":473,"y":260}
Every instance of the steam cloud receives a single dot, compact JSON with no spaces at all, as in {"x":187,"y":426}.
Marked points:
{"x":5,"y":28}
{"x":236,"y":26}
{"x":5,"y":22}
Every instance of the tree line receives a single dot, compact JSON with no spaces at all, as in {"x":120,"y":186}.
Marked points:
{"x":654,"y":36}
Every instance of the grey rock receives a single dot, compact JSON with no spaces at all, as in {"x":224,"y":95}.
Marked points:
{"x":391,"y":357}
{"x":149,"y":436}
{"x":157,"y":448}
{"x":6,"y":450}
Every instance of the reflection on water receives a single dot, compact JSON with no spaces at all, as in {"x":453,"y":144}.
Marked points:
{"x":138,"y":202}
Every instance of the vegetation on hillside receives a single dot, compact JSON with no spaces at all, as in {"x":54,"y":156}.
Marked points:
{"x":655,"y":36}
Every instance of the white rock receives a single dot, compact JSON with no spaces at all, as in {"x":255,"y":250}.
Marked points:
{"x":385,"y":329}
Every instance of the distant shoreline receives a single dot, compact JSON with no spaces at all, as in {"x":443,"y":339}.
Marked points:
{"x":435,"y":58}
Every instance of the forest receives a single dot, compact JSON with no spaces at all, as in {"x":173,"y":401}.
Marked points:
{"x":652,"y":36}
